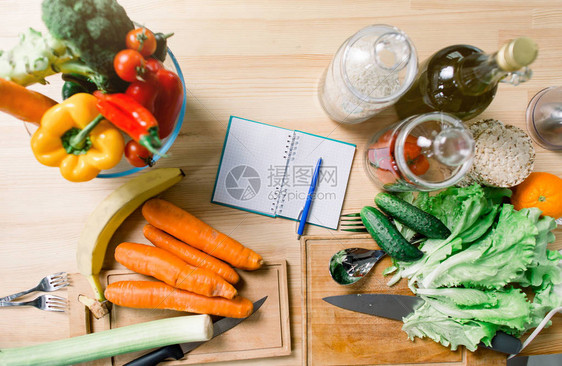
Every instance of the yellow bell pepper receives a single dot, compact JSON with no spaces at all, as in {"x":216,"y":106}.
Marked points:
{"x":75,"y":137}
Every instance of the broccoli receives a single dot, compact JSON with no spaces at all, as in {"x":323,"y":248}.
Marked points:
{"x":95,"y":31}
{"x":37,"y":56}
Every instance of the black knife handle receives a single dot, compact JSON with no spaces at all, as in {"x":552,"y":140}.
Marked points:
{"x":155,"y":357}
{"x":505,"y":343}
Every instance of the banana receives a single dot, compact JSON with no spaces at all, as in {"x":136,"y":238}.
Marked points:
{"x":109,"y":215}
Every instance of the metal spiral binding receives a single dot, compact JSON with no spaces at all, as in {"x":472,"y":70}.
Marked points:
{"x":289,"y":155}
{"x":286,"y":155}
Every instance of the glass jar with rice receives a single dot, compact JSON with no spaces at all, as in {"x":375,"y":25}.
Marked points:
{"x":369,"y":72}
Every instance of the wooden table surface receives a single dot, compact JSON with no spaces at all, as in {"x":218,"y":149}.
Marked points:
{"x":256,"y":59}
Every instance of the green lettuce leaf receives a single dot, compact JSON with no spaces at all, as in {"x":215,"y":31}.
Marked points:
{"x":509,"y":307}
{"x":493,"y":261}
{"x":545,"y":264}
{"x":426,"y":321}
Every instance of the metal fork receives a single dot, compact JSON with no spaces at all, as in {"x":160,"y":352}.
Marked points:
{"x":352,"y":223}
{"x":43,"y":302}
{"x":50,"y":283}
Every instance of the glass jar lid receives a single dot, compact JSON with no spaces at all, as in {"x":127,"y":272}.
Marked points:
{"x":434,"y":150}
{"x":379,"y":63}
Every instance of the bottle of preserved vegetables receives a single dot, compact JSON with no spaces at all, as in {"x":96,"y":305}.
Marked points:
{"x":462,"y":79}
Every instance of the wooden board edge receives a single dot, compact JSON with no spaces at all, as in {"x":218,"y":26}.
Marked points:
{"x":304,"y":305}
{"x":285,"y":309}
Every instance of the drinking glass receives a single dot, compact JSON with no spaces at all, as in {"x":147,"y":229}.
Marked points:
{"x":544,"y":118}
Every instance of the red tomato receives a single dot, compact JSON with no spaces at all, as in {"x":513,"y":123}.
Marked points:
{"x":418,"y":165}
{"x":411,"y":151}
{"x":137,"y":155}
{"x":142,"y":40}
{"x":129,"y":65}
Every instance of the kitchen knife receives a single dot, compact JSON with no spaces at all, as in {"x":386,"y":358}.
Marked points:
{"x":398,"y":306}
{"x":177,"y":351}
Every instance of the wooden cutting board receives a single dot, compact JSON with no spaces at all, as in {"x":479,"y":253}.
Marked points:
{"x":334,"y":336}
{"x":265,"y":334}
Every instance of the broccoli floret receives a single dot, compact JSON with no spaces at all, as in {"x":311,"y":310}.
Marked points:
{"x":95,"y":30}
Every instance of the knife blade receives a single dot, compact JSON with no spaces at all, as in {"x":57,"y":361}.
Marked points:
{"x":177,"y":351}
{"x":398,"y":306}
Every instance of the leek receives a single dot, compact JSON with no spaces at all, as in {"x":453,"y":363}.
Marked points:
{"x":137,"y":337}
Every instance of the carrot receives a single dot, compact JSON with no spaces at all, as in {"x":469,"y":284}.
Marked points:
{"x":23,"y":103}
{"x":158,"y":295}
{"x":158,"y":263}
{"x":189,"y":254}
{"x":188,"y":228}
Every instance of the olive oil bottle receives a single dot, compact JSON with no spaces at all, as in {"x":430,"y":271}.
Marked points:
{"x":462,"y":80}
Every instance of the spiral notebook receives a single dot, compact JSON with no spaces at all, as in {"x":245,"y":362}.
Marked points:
{"x":267,"y":170}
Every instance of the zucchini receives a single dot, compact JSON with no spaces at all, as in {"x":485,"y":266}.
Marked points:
{"x":411,"y":216}
{"x":387,"y":236}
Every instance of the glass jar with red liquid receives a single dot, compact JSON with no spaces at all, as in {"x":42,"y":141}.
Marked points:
{"x":421,"y":153}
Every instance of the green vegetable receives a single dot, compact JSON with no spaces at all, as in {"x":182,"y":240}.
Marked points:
{"x":70,"y":88}
{"x":493,"y":261}
{"x":161,"y":45}
{"x":95,"y":30}
{"x":467,"y":279}
{"x":504,"y":308}
{"x":411,"y":216}
{"x":38,"y":56}
{"x":387,"y":236}
{"x":93,"y":346}
{"x":428,"y":322}
{"x":81,"y":80}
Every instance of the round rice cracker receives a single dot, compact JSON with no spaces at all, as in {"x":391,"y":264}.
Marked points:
{"x":477,"y":127}
{"x":504,"y":156}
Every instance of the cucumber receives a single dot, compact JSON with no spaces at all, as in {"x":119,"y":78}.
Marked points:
{"x":411,"y":216}
{"x":387,"y":236}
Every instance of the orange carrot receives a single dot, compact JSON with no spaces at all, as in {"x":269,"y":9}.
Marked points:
{"x":23,"y":103}
{"x":189,"y":254}
{"x":158,"y":295}
{"x":158,"y":263}
{"x":188,"y":228}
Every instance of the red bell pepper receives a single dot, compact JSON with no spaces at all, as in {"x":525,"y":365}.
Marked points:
{"x":161,"y":93}
{"x":168,"y":102}
{"x":144,"y":92}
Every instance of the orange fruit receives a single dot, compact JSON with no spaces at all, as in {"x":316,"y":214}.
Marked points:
{"x":541,"y":190}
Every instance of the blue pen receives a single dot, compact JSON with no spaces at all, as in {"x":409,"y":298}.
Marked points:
{"x":311,"y":190}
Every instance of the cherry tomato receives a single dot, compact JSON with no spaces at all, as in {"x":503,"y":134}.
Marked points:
{"x":129,"y":65}
{"x":418,"y":165}
{"x":411,"y":151}
{"x":141,"y":40}
{"x":137,"y":155}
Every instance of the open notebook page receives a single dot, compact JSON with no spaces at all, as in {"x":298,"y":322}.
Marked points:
{"x":253,"y":153}
{"x":337,"y":158}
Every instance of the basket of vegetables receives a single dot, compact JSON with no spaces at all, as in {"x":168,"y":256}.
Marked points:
{"x":123,"y":97}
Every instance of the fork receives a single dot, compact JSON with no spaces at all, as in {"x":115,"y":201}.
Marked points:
{"x":353,"y":223}
{"x":50,"y":283}
{"x":43,"y":302}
